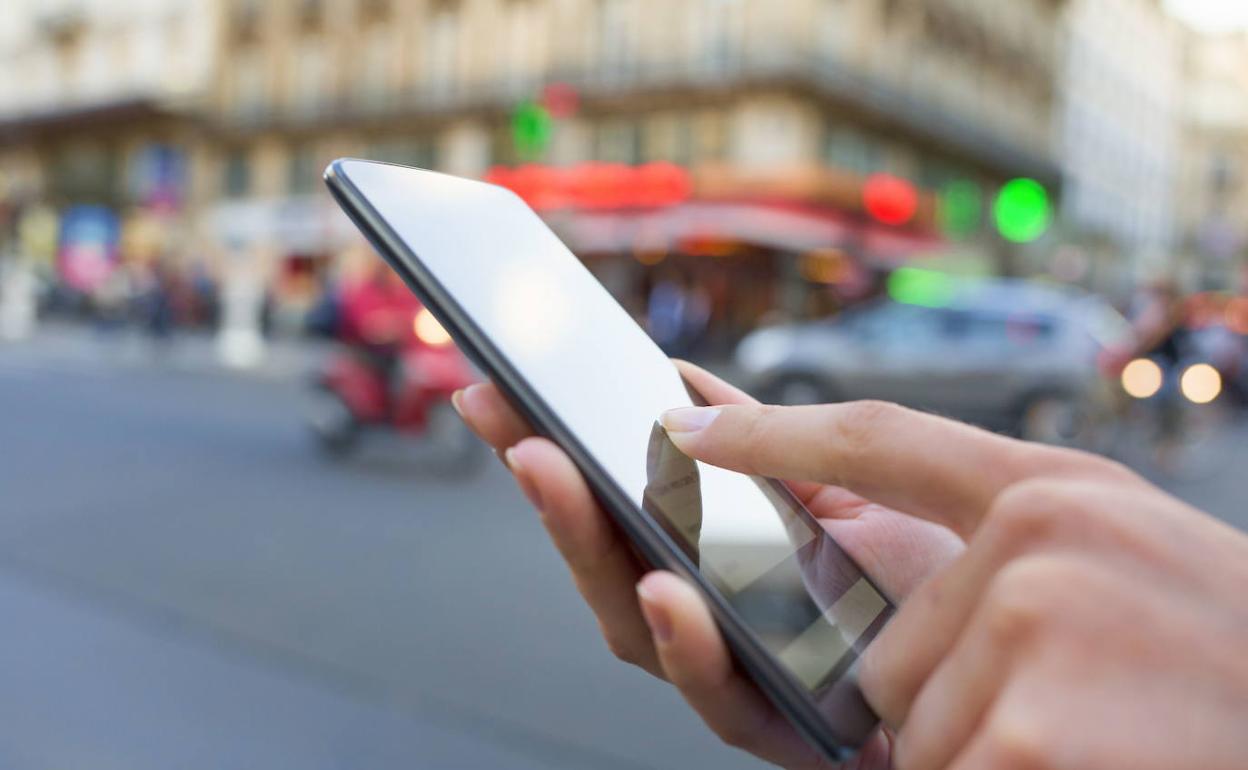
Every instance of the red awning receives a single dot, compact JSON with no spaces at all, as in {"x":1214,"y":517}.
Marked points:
{"x":775,"y":226}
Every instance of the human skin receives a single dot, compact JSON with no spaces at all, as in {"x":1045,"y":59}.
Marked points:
{"x":1056,"y":610}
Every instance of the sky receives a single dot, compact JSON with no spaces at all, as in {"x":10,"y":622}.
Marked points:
{"x":1211,"y":15}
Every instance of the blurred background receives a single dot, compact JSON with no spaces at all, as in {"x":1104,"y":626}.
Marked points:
{"x":239,"y":524}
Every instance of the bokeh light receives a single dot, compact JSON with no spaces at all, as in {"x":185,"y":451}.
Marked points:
{"x":1022,"y":210}
{"x":1142,"y":378}
{"x":889,"y":199}
{"x":429,"y":331}
{"x":915,"y":286}
{"x":531,"y":127}
{"x":828,"y":266}
{"x":1201,"y":383}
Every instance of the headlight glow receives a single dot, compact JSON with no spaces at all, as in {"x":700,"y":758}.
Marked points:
{"x":1201,"y":383}
{"x":1142,"y":378}
{"x":429,"y":331}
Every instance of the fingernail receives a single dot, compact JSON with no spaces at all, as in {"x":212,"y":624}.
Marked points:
{"x":689,"y":419}
{"x":457,"y":401}
{"x":656,"y":616}
{"x":522,"y":478}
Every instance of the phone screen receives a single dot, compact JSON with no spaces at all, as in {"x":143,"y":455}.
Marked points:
{"x":605,"y":380}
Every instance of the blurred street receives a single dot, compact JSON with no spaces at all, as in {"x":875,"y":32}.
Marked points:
{"x":1031,"y":216}
{"x":185,"y":582}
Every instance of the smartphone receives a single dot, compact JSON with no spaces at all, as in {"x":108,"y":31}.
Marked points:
{"x":795,"y":610}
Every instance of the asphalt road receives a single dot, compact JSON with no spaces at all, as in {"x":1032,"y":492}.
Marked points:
{"x":185,"y":582}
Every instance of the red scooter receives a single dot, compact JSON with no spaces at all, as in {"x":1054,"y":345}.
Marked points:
{"x":353,"y":395}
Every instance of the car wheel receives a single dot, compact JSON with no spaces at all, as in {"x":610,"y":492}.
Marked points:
{"x":335,"y":426}
{"x":1053,"y":419}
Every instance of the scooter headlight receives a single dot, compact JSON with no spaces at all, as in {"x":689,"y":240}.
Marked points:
{"x":1142,"y":378}
{"x":1201,"y":383}
{"x":429,"y":331}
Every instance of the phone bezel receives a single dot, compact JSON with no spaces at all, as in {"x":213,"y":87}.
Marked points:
{"x":655,"y":545}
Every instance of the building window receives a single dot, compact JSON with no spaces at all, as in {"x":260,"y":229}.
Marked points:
{"x":236,"y":180}
{"x":303,"y":173}
{"x":503,"y":146}
{"x":616,"y":38}
{"x":849,"y":150}
{"x":374,"y":87}
{"x":313,"y":79}
{"x":441,"y":49}
{"x":721,"y":25}
{"x":710,"y":137}
{"x":618,"y":141}
{"x":519,"y":52}
{"x":669,"y":138}
{"x":250,"y":85}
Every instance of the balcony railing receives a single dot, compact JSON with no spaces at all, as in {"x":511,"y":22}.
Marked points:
{"x":982,"y":136}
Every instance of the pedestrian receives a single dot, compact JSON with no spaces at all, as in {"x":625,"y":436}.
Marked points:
{"x":1056,"y":610}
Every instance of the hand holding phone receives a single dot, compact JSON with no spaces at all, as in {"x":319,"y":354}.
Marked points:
{"x":795,"y":609}
{"x":902,"y":549}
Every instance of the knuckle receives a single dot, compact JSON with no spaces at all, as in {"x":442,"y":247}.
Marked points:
{"x":1023,"y":598}
{"x":860,"y":421}
{"x":1018,"y":743}
{"x":1032,"y":512}
{"x":855,"y":428}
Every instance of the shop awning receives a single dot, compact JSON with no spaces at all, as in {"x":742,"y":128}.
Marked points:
{"x":778,"y":227}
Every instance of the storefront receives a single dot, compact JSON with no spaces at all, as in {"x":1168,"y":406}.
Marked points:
{"x":702,"y":263}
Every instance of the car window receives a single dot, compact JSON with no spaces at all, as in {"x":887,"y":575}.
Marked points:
{"x":996,"y":331}
{"x":895,"y":324}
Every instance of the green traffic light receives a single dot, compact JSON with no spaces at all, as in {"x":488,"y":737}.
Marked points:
{"x":1022,"y":211}
{"x":531,"y":126}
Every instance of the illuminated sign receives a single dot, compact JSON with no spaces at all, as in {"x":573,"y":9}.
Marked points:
{"x":596,"y":185}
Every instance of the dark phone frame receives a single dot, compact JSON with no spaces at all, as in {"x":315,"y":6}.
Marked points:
{"x":654,"y":544}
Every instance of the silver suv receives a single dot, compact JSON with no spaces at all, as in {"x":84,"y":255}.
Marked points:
{"x":1009,"y":355}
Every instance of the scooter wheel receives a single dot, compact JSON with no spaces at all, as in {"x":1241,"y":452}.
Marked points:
{"x":335,"y":427}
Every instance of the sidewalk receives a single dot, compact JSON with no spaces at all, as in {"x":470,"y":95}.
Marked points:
{"x":70,"y":345}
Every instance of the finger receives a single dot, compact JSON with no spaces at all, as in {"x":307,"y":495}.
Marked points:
{"x":717,"y":392}
{"x":898,"y":551}
{"x":928,"y":466}
{"x":490,"y":416}
{"x":602,"y":564}
{"x":695,"y":659}
{"x":963,"y":688}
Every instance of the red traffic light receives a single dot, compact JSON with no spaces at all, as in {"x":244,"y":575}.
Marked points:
{"x":560,"y":100}
{"x":890,"y":199}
